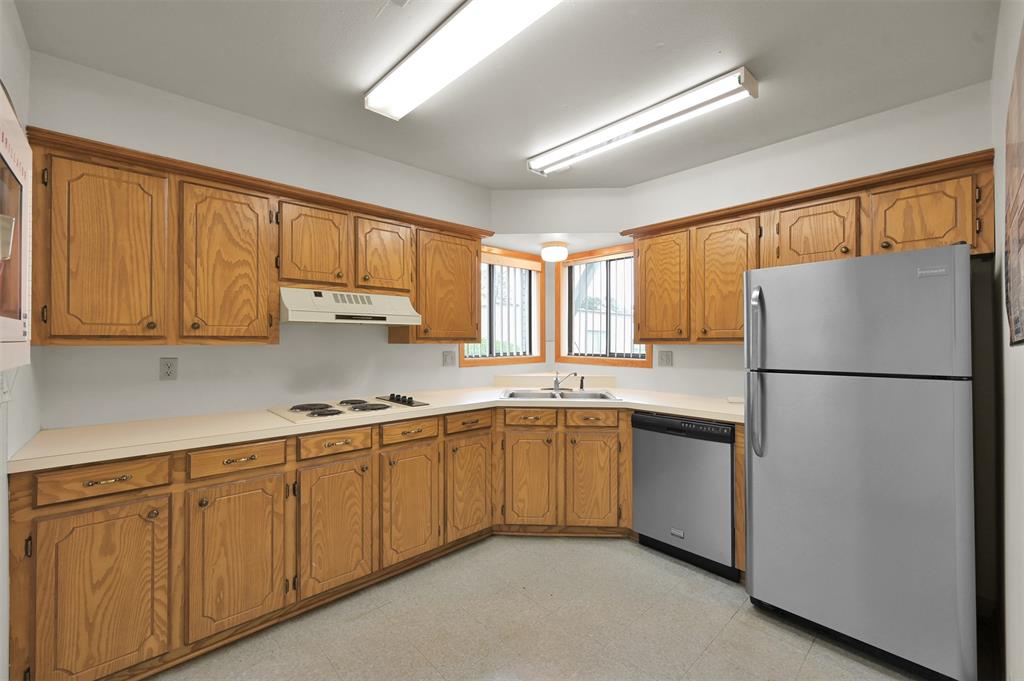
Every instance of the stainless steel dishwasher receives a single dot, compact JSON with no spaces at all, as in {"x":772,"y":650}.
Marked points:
{"x":683,"y":488}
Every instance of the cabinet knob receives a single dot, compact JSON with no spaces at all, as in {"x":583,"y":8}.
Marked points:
{"x":426,"y":329}
{"x":572,"y":441}
{"x":195,"y":325}
{"x":364,"y":468}
{"x":152,"y":515}
{"x":547,"y":441}
{"x":679,"y":331}
{"x":844,"y":249}
{"x":886,"y":244}
{"x":339,"y":275}
{"x":455,"y":450}
{"x":391,"y":462}
{"x":366,"y":277}
{"x":151,"y":325}
{"x":204,"y":502}
{"x":704,"y":331}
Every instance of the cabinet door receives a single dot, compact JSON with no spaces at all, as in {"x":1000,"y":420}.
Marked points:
{"x":722,"y":253}
{"x":410,"y":501}
{"x":336,"y":506}
{"x":826,"y":231}
{"x":592,"y":478}
{"x":531,"y":477}
{"x":102,"y":590}
{"x":448,"y":286}
{"x":467,"y":485}
{"x":108,"y":252}
{"x":383,"y":255}
{"x":663,"y":282}
{"x":236,"y":549}
{"x":316,"y":245}
{"x":226,"y":263}
{"x":924,"y":216}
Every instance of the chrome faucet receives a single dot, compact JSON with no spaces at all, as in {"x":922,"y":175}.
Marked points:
{"x":558,"y":381}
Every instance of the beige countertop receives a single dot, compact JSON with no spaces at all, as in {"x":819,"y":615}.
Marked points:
{"x":58,"y":447}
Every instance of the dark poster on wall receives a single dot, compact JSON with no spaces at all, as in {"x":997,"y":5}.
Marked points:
{"x":1013,"y":269}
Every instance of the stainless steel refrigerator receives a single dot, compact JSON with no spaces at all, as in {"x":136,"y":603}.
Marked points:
{"x":859,"y":452}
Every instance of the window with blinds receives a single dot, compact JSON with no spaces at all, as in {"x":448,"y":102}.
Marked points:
{"x":508,"y":313}
{"x":600,"y":306}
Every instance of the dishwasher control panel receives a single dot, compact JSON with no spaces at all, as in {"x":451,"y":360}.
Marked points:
{"x":689,"y":427}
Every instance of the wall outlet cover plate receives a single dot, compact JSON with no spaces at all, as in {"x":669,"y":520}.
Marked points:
{"x":664,"y":358}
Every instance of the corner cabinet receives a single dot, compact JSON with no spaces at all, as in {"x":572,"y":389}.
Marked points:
{"x":662,"y":271}
{"x":721,"y":254}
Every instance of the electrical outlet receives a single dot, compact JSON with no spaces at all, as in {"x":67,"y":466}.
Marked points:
{"x":168,"y":368}
{"x":664,"y":358}
{"x":448,"y":358}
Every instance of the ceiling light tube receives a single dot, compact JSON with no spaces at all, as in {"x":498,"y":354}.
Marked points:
{"x":467,"y":37}
{"x":714,"y":94}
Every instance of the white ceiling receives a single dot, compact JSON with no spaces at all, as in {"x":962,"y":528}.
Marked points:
{"x":305,"y":65}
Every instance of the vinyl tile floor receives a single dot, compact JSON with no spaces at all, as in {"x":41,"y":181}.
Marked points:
{"x":511,"y":608}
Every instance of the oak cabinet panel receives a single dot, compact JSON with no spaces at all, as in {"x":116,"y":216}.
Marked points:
{"x":663,"y":281}
{"x":226,"y":263}
{"x":923,"y":216}
{"x":824,"y":231}
{"x":531,"y":477}
{"x":85,"y":482}
{"x":336,"y":538}
{"x":592,"y":478}
{"x":236,"y":553}
{"x":410,"y":500}
{"x":467,"y":486}
{"x":109,"y":252}
{"x":102,"y":594}
{"x":448,"y":286}
{"x":316,"y":245}
{"x":384,"y":255}
{"x":721,"y":254}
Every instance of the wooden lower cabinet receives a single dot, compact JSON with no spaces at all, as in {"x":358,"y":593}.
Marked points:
{"x":102,"y":594}
{"x":236,"y":553}
{"x":336,"y":534}
{"x":531,"y":476}
{"x":467,"y":486}
{"x":592,"y":478}
{"x":410,"y":500}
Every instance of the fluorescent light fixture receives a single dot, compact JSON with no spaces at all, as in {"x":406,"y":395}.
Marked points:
{"x":554,"y":251}
{"x":714,"y":94}
{"x":467,"y":37}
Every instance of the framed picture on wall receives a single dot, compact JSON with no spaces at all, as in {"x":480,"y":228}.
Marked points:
{"x":1013,"y":267}
{"x":15,"y":236}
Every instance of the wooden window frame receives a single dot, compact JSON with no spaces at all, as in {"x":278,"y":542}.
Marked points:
{"x":561,"y":303}
{"x":490,"y":255}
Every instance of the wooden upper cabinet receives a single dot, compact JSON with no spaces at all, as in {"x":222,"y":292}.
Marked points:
{"x":109,"y":252}
{"x":226,"y":263}
{"x":662,"y":290}
{"x":316,"y":245}
{"x":102,"y":594}
{"x":448,"y":290}
{"x":384,"y":254}
{"x":337,"y":503}
{"x":592,"y":478}
{"x":824,"y":231}
{"x":531,"y":477}
{"x":410,"y":500}
{"x":923,"y":216}
{"x":721,"y":254}
{"x":236,"y":554}
{"x":467,"y":486}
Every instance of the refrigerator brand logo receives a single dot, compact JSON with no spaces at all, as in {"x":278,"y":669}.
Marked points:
{"x":932,"y":272}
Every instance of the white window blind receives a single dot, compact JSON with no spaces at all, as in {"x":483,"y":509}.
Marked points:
{"x":600,"y":305}
{"x":508,"y":312}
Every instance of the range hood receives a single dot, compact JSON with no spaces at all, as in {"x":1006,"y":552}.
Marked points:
{"x":339,"y":307}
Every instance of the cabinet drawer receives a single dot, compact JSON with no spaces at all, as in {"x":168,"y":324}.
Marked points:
{"x":468,"y":420}
{"x":223,"y":460}
{"x":390,"y":433}
{"x":335,"y":442}
{"x":591,"y":417}
{"x":107,"y":478}
{"x":531,"y":417}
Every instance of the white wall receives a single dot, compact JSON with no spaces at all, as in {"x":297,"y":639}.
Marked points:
{"x":1011,"y":19}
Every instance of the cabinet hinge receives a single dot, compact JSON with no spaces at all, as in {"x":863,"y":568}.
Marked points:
{"x":277,"y":217}
{"x":977,"y":194}
{"x":44,"y":314}
{"x":777,"y":227}
{"x":287,"y":490}
{"x":977,"y":225}
{"x":295,"y":582}
{"x":46,"y":177}
{"x":277,"y":261}
{"x":27,"y":676}
{"x":503,"y":511}
{"x":270,"y":319}
{"x":760,"y":231}
{"x":777,"y":252}
{"x":287,"y":584}
{"x":28,"y":546}
{"x":620,"y":446}
{"x":295,"y":488}
{"x":620,"y":513}
{"x":503,"y":449}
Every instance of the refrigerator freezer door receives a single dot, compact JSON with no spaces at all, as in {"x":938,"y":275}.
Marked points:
{"x":897,"y":314}
{"x":861,"y":511}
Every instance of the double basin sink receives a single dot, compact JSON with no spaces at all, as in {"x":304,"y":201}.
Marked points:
{"x":548,"y":394}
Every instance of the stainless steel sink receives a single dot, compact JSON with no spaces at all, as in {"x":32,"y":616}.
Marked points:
{"x":557,"y":394}
{"x":529,"y":395}
{"x":587,"y":395}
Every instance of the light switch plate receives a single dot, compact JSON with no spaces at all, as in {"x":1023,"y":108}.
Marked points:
{"x":664,"y":358}
{"x":168,"y":368}
{"x":448,"y":358}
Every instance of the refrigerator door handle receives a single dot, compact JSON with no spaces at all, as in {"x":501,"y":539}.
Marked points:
{"x":755,"y":409}
{"x":756,"y":312}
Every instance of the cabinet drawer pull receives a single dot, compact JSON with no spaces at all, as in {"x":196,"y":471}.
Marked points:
{"x":339,"y":443}
{"x":204,"y":502}
{"x":531,"y":418}
{"x":844,"y":249}
{"x":109,"y":481}
{"x":470,"y":422}
{"x":886,"y":244}
{"x":414,"y":431}
{"x":244,"y":459}
{"x":591,"y":418}
{"x":153,"y":515}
